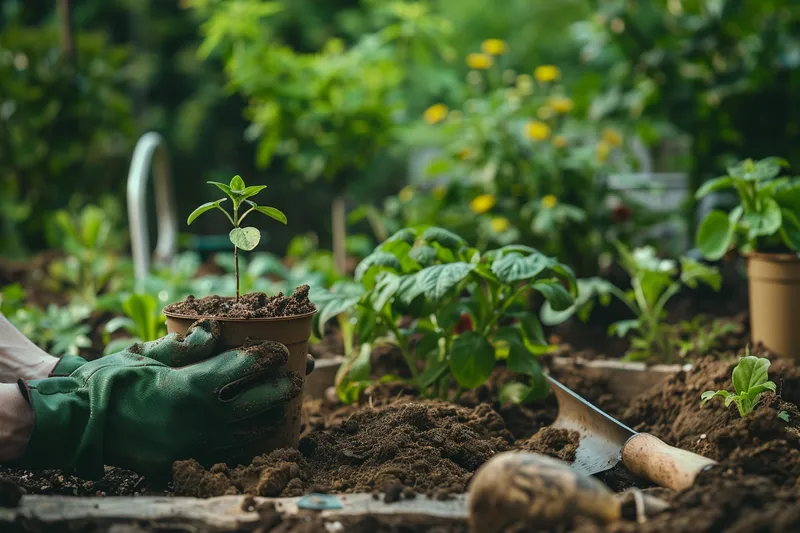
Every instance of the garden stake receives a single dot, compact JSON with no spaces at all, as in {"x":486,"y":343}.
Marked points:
{"x":604,"y":442}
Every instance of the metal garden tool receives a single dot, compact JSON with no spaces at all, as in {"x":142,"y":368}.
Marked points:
{"x":604,"y":442}
{"x":515,"y":488}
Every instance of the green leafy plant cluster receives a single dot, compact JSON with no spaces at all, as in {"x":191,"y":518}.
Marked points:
{"x":143,"y":321}
{"x":654,"y":282}
{"x":767,"y":217}
{"x":246,"y":238}
{"x":750,"y":381}
{"x":453,"y":313}
{"x":57,"y":330}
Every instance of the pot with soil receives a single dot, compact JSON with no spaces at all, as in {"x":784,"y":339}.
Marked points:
{"x":257,"y":318}
{"x":765,"y":228}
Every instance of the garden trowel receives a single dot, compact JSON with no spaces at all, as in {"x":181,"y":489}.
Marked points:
{"x":604,"y":442}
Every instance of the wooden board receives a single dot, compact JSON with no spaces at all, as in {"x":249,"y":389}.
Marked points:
{"x":225,"y":513}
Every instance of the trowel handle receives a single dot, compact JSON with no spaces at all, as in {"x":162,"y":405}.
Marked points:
{"x":665,"y":465}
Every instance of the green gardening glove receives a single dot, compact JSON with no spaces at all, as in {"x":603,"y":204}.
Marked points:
{"x":158,"y":402}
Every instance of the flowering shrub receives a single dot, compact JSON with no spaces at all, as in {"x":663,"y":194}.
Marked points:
{"x":515,"y":165}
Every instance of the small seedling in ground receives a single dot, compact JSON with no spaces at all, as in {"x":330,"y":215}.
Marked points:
{"x":246,"y":238}
{"x":750,"y":380}
{"x":783,"y":415}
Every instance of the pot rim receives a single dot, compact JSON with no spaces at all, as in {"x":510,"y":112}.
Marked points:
{"x":775,"y":258}
{"x":234,"y":319}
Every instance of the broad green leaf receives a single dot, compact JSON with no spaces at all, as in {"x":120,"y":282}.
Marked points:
{"x":750,"y":372}
{"x":693,"y":272}
{"x":94,"y":227}
{"x":531,"y":329}
{"x":588,"y":289}
{"x":443,"y":237}
{"x":554,"y":293}
{"x":143,"y":309}
{"x":709,"y":394}
{"x":522,"y":361}
{"x":271,"y":212}
{"x":788,"y":196}
{"x":765,"y":222}
{"x":515,"y":267}
{"x":252,"y":191}
{"x":354,"y":374}
{"x":379,"y":259}
{"x":386,"y":285}
{"x":342,"y":297}
{"x":203,"y":208}
{"x":406,"y":235}
{"x":435,"y":367}
{"x":763,"y":170}
{"x":224,"y":188}
{"x":437,"y":281}
{"x":790,"y":232}
{"x":472,"y":359}
{"x":424,"y":255}
{"x":245,"y":238}
{"x":237,"y":184}
{"x":120,"y":322}
{"x":623,"y":327}
{"x":715,"y":234}
{"x":520,"y":248}
{"x":716,"y":184}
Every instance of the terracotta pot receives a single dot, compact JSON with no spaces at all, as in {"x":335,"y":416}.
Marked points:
{"x":293,"y":332}
{"x":774,"y":284}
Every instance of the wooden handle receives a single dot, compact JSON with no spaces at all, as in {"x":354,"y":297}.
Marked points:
{"x":665,"y":465}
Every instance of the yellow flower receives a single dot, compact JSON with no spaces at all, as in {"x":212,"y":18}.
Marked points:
{"x":479,"y":61}
{"x":517,"y":189}
{"x":561,"y":104}
{"x":483,"y":203}
{"x":406,"y":194}
{"x":549,"y":201}
{"x":612,"y":137}
{"x":538,"y":131}
{"x":439,"y":192}
{"x":559,"y":141}
{"x":435,"y":113}
{"x":545,"y":73}
{"x":494,"y":47}
{"x":602,"y":150}
{"x":500,"y":224}
{"x":464,"y":153}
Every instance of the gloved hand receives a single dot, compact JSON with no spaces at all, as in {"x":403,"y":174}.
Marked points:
{"x":158,"y":402}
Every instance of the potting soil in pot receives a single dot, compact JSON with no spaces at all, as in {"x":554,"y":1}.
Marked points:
{"x":253,"y":305}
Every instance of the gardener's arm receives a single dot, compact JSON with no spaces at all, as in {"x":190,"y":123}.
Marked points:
{"x":19,"y":357}
{"x":16,"y":422}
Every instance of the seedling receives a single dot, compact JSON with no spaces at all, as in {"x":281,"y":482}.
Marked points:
{"x":246,"y":238}
{"x":750,"y":380}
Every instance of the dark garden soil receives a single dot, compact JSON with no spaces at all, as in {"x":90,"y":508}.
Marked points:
{"x":253,"y":305}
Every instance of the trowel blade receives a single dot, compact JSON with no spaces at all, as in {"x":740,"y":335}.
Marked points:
{"x":601,"y":436}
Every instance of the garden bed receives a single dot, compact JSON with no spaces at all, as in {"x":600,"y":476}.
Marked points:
{"x":399,"y":447}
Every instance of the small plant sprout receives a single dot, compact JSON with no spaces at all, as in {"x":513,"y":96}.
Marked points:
{"x":750,"y":380}
{"x":246,"y":238}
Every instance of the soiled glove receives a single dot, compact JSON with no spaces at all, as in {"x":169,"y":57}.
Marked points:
{"x":158,"y":402}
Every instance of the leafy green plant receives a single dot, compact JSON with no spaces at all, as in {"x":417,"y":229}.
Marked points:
{"x":700,"y":335}
{"x":750,"y":381}
{"x":143,"y":322}
{"x":654,"y":282}
{"x":57,"y":330}
{"x":246,"y":238}
{"x":766,"y":218}
{"x":451,"y":312}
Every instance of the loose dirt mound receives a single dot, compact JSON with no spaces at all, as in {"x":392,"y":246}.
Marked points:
{"x":431,"y":446}
{"x":253,"y":305}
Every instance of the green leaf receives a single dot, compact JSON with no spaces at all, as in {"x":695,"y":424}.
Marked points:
{"x":623,"y":327}
{"x":790,"y":231}
{"x":203,"y":208}
{"x":709,"y":394}
{"x":342,"y":297}
{"x":120,"y":322}
{"x":693,"y":272}
{"x":245,"y":238}
{"x":472,"y":359}
{"x":520,"y":248}
{"x":443,"y":237}
{"x":224,"y":188}
{"x":434,"y":369}
{"x":424,"y":255}
{"x":386,"y":286}
{"x":788,"y":196}
{"x":515,"y":267}
{"x":379,"y":259}
{"x":783,"y":415}
{"x":531,"y":328}
{"x":750,"y":372}
{"x":437,"y":281}
{"x":94,"y":226}
{"x":406,"y":235}
{"x":354,"y":374}
{"x":715,"y":234}
{"x":514,"y":392}
{"x":766,"y":222}
{"x":271,"y":212}
{"x":252,"y":191}
{"x":763,"y":170}
{"x":522,"y":361}
{"x":716,"y":184}
{"x":237,"y":184}
{"x":554,"y":293}
{"x":144,"y":310}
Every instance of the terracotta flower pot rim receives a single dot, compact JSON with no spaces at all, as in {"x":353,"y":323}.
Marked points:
{"x":234,"y":319}
{"x":778,"y":258}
